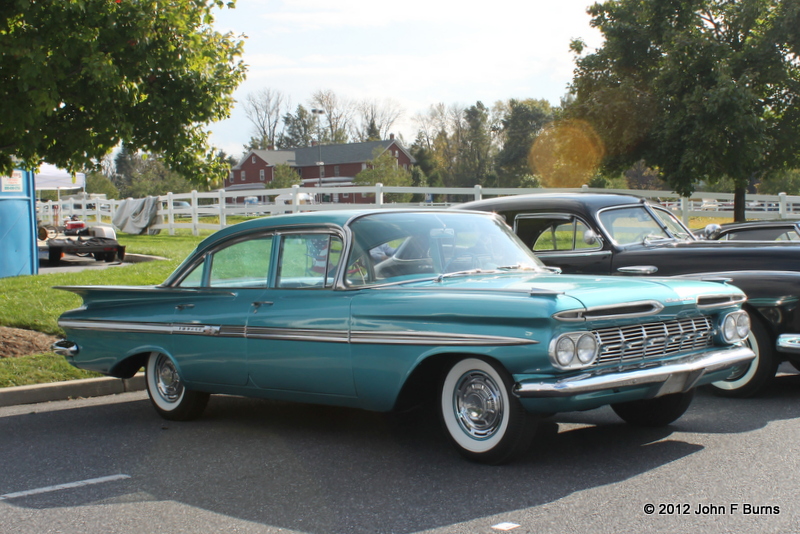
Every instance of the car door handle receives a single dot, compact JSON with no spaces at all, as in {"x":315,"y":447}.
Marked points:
{"x":257,"y":304}
{"x":182,"y":307}
{"x":638,"y":269}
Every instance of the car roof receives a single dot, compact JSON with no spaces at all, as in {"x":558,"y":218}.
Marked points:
{"x":313,"y":218}
{"x":575,"y":202}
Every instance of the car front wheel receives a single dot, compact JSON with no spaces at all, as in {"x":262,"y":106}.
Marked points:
{"x":752,"y":378}
{"x":660,"y":411}
{"x":167,"y":393}
{"x":484,"y":421}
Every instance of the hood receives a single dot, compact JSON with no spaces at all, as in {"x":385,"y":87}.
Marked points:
{"x":591,"y":291}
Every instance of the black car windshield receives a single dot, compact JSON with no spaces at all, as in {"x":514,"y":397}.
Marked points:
{"x":637,"y":224}
{"x":399,"y":246}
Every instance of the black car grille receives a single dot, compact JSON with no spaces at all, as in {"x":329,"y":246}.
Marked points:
{"x":632,"y":343}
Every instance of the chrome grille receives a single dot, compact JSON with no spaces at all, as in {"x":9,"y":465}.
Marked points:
{"x":653,"y":340}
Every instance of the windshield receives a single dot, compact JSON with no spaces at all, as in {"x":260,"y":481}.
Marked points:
{"x":399,"y":246}
{"x":636,"y":224}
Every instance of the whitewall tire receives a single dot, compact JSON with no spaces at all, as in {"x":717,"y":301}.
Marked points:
{"x":484,"y":421}
{"x":167,"y":392}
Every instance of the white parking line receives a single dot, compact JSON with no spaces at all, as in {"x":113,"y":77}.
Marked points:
{"x":59,"y":487}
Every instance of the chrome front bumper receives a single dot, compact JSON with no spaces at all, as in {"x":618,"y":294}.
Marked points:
{"x":675,"y":375}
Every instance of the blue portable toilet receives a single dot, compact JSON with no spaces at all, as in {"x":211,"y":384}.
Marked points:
{"x":19,"y":253}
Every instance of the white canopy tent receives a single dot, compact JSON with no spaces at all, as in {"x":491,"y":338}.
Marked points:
{"x":51,"y":178}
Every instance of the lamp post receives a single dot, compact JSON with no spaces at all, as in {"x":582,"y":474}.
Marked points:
{"x":320,"y":163}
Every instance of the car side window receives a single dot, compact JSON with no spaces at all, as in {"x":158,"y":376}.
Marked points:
{"x":308,"y":261}
{"x":243,"y":264}
{"x":550,"y":235}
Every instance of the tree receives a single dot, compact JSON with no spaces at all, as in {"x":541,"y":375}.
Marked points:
{"x":299,"y":130}
{"x":139,"y":175}
{"x":264,"y":110}
{"x":519,"y":126}
{"x":474,"y":147}
{"x":98,"y":183}
{"x":383,"y":169}
{"x":284,"y":177}
{"x":700,"y":89}
{"x":376,"y":119}
{"x":566,"y":153}
{"x":338,"y":114}
{"x":787,"y":181}
{"x":77,"y":77}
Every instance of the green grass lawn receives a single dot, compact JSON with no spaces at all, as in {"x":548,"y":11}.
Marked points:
{"x":30,"y":302}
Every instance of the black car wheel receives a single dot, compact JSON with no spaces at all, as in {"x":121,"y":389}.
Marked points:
{"x":660,"y":411}
{"x":484,"y":421}
{"x":167,"y":393}
{"x":752,"y":378}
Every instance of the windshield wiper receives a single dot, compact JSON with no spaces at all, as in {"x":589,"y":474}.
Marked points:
{"x":517,"y":267}
{"x":466,"y":273}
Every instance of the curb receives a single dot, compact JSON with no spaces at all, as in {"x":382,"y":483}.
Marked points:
{"x":70,"y":389}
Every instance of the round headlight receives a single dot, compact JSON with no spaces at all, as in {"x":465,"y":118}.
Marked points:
{"x":587,"y":348}
{"x":743,"y":325}
{"x":729,"y":329}
{"x":565,"y":351}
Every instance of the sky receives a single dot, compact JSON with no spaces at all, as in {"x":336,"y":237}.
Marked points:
{"x":416,"y":53}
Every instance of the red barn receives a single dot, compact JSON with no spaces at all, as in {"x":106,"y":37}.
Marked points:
{"x":321,"y":165}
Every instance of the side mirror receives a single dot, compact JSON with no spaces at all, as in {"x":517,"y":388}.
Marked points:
{"x":590,"y":237}
{"x":712,"y":231}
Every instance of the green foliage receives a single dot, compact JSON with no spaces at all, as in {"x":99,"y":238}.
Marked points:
{"x":284,"y":176}
{"x":300,"y":129}
{"x":141,"y":175}
{"x":97,"y":182}
{"x":474,"y":148}
{"x":383,"y":169}
{"x":698,"y":89}
{"x":787,"y":181}
{"x":519,"y":127}
{"x":79,"y":76}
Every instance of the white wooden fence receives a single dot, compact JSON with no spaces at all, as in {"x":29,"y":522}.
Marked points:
{"x":211,"y":210}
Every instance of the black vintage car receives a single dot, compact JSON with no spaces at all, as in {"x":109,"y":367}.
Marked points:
{"x":591,"y":233}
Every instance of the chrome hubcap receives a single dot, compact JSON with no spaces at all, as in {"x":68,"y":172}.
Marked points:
{"x":478,"y":404}
{"x":167,"y":380}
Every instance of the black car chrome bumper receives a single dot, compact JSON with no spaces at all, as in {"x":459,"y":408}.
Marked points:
{"x":675,"y":376}
{"x":788,"y":343}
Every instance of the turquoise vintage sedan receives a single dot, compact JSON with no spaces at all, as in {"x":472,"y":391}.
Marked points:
{"x":383,"y":309}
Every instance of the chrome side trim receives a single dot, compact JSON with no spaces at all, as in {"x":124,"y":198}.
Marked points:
{"x":116,"y":326}
{"x":436,"y":338}
{"x":641,"y":308}
{"x":407,"y":337}
{"x":676,"y":375}
{"x":298,"y":334}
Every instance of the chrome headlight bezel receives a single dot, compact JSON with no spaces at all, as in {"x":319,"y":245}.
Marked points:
{"x":735,"y":327}
{"x":574,"y":350}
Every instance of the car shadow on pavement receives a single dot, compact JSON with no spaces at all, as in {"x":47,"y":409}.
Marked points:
{"x":321,"y":469}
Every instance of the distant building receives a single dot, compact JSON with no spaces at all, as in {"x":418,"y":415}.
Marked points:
{"x":320,"y":165}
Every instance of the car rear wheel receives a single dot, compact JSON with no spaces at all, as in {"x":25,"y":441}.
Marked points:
{"x":484,"y":421}
{"x":660,"y":411}
{"x":750,"y":379}
{"x":167,"y":393}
